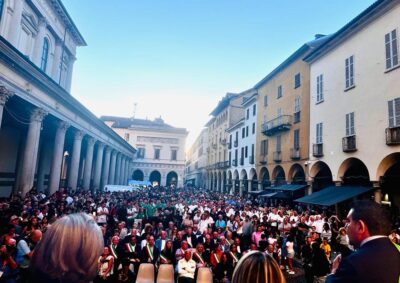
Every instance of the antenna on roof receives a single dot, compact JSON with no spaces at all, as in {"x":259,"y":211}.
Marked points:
{"x":134,"y":110}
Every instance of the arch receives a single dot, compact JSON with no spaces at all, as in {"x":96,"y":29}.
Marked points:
{"x":252,"y":173}
{"x":321,"y":175}
{"x":172,"y":179}
{"x":264,"y":177}
{"x":245,"y":181}
{"x":155,"y":178}
{"x":296,"y":174}
{"x":353,"y":171}
{"x":219,"y":182}
{"x":254,"y":180}
{"x":278,"y":175}
{"x":386,"y":163}
{"x":45,"y":54}
{"x":243,"y":174}
{"x":224,"y":182}
{"x":389,"y":177}
{"x":138,"y":175}
{"x":236,"y":182}
{"x":235,"y":174}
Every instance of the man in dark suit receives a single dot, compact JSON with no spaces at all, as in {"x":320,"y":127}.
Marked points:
{"x":149,"y":253}
{"x":160,"y":243}
{"x":376,"y":258}
{"x":190,"y":238}
{"x":133,"y":252}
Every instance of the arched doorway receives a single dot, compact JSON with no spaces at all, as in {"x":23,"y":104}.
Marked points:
{"x":245,"y":181}
{"x":230,"y":184}
{"x":236,"y":182}
{"x":254,"y":181}
{"x":172,"y":179}
{"x":322,"y":176}
{"x":278,"y":175}
{"x":389,"y":176}
{"x":224,"y":184}
{"x":353,"y":172}
{"x":138,"y":175}
{"x":296,"y":174}
{"x":155,"y":178}
{"x":264,"y":176}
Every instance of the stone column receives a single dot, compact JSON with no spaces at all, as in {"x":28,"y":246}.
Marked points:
{"x":122,"y":173}
{"x":5,"y":94}
{"x":31,"y":150}
{"x":106,"y":168}
{"x":39,"y":41}
{"x":117,"y":169}
{"x":241,"y":185}
{"x":111,"y":176}
{"x":88,"y":163}
{"x":75,"y":158}
{"x":15,"y":24}
{"x":58,"y":151}
{"x":45,"y":157}
{"x":98,"y":166}
{"x":127,"y":170}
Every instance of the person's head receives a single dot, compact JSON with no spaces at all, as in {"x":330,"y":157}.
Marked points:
{"x":200,"y":248}
{"x":36,"y":236}
{"x":188,"y":255}
{"x":233,"y":248}
{"x":106,"y":251}
{"x":151,"y":240}
{"x":257,"y":267}
{"x":168,"y":245}
{"x":184,"y":245}
{"x":133,"y":240}
{"x":366,"y":218}
{"x":115,"y":240}
{"x":69,"y":249}
{"x":163,"y":235}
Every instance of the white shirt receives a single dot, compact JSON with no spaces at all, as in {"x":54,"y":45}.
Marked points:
{"x":102,"y":218}
{"x":186,"y":268}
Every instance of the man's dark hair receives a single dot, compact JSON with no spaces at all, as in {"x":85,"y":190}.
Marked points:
{"x":374,"y":215}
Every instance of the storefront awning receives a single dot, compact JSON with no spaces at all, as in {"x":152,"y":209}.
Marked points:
{"x":255,"y":193}
{"x":333,"y":195}
{"x":289,"y":187}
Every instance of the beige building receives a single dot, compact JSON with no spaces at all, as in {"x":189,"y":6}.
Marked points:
{"x":227,"y":113}
{"x":49,"y":139}
{"x":355,"y":106}
{"x":283,"y":121}
{"x":160,"y":156}
{"x":196,"y":161}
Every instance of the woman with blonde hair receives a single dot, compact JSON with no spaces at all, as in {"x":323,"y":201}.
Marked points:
{"x":258,"y":267}
{"x":68,"y":251}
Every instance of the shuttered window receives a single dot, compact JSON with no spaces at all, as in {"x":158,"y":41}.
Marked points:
{"x":394,"y":112}
{"x":320,"y":88}
{"x":349,"y":71}
{"x":296,"y":139}
{"x":319,"y":127}
{"x":350,"y":124}
{"x":391,"y":48}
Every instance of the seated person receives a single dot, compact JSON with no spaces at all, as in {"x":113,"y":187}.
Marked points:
{"x":186,"y":268}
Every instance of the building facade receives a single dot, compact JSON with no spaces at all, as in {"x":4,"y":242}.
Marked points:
{"x":242,"y":176}
{"x":196,"y":161}
{"x":160,"y":156}
{"x":47,"y":138}
{"x":355,"y":106}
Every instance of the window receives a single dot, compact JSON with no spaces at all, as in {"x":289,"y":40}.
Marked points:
{"x":140,"y":152}
{"x":230,"y":158}
{"x":279,"y":116}
{"x":247,"y":113}
{"x":350,"y":124}
{"x":264,"y":148}
{"x":254,"y":110}
{"x":156,"y":153}
{"x":265,"y":100}
{"x":350,"y":72}
{"x":279,"y":91}
{"x":394,"y":112}
{"x":391,"y":47}
{"x":297,"y":109}
{"x":252,"y":150}
{"x":174,"y":154}
{"x":297,"y":82}
{"x":45,"y":54}
{"x":278,"y":143}
{"x":296,"y":139}
{"x":320,"y":88}
{"x":236,"y":155}
{"x":243,"y":132}
{"x":247,"y":131}
{"x":242,"y":153}
{"x":319,"y":133}
{"x":126,"y":137}
{"x":246,"y":151}
{"x":253,"y":129}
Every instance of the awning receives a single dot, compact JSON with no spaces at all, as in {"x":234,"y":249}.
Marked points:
{"x":289,"y":187}
{"x":255,"y":193}
{"x":268,"y":195}
{"x":333,"y":195}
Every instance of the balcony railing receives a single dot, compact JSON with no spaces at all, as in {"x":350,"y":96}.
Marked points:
{"x":392,"y":136}
{"x":279,"y":124}
{"x":251,"y":159}
{"x":241,"y":161}
{"x":349,"y":144}
{"x":236,"y":143}
{"x":263,"y":159}
{"x":277,"y":156}
{"x":295,"y":153}
{"x":318,"y":150}
{"x":234,"y":162}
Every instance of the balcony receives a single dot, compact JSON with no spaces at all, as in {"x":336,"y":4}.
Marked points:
{"x":236,"y":143}
{"x":251,"y":159}
{"x":295,"y":153}
{"x":392,"y":136}
{"x":229,"y":145}
{"x":241,"y":161}
{"x":279,"y":124}
{"x":318,"y":150}
{"x":263,"y":159}
{"x":277,"y":156}
{"x":234,"y":162}
{"x":349,"y":144}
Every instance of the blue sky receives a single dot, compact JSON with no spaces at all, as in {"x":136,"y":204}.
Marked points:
{"x":177,"y":58}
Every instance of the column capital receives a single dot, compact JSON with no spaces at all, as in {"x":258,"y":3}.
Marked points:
{"x":109,"y":149}
{"x":101,"y":145}
{"x":62,"y":125}
{"x":38,"y":114}
{"x":5,"y":94}
{"x":90,"y":140}
{"x":79,"y":135}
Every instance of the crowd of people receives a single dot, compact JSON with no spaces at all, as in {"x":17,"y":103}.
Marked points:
{"x":71,"y":236}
